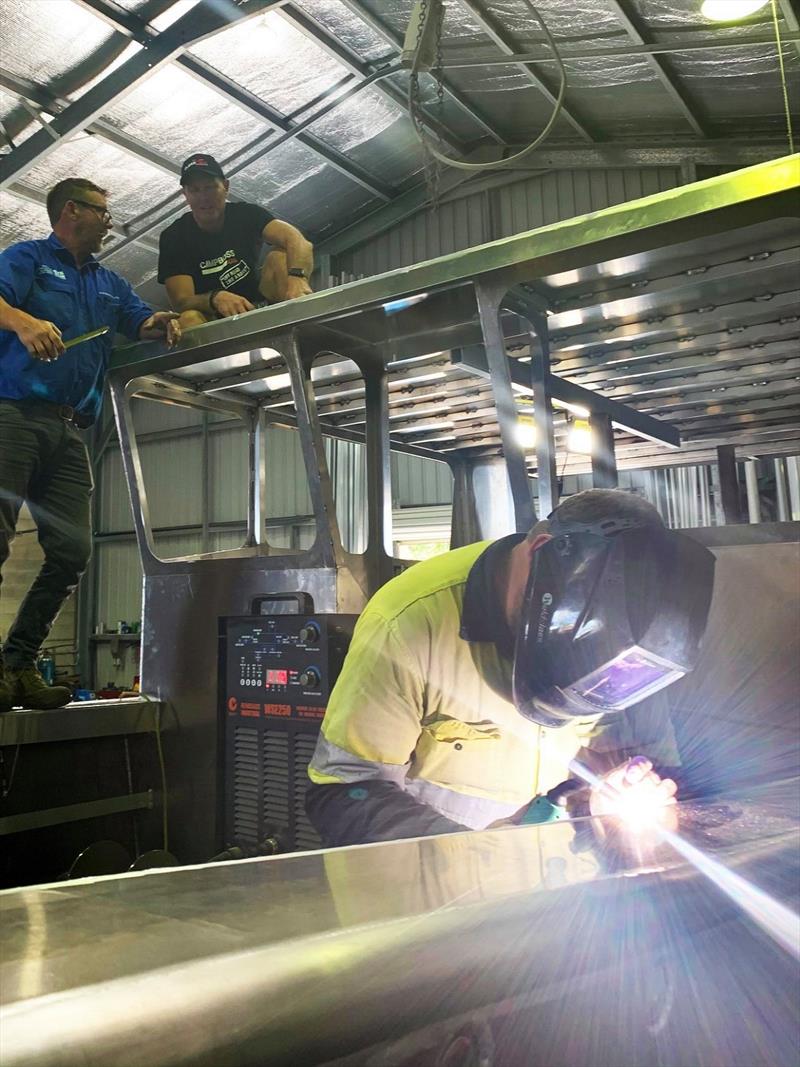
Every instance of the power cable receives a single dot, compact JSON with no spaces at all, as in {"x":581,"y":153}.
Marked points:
{"x":162,"y":768}
{"x":784,"y":86}
{"x":567,"y":451}
{"x":8,"y":782}
{"x":414,"y":104}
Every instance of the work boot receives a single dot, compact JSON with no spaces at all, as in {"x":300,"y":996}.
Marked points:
{"x":29,"y":690}
{"x":6,"y":697}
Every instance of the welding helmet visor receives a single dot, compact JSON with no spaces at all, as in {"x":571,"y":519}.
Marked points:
{"x":612,"y":613}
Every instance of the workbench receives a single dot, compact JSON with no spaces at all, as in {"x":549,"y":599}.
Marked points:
{"x":51,"y":736}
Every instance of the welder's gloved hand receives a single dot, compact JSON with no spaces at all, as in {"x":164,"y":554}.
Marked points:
{"x":636,"y":796}
{"x":567,"y":801}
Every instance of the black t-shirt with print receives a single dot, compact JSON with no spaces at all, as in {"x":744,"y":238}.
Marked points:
{"x":227,"y":259}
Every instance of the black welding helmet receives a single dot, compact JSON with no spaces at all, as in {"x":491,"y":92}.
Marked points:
{"x":614,"y":611}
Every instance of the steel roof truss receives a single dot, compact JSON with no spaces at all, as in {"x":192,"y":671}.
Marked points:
{"x":624,"y":12}
{"x":202,"y":21}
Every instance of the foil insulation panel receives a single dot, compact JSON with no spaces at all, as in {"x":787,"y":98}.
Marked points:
{"x":181,"y":115}
{"x":48,"y":38}
{"x":21,"y":219}
{"x":274,"y":60}
{"x":343,"y":23}
{"x":133,"y":184}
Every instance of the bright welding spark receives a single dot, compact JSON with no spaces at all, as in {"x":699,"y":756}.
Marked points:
{"x":780,"y":922}
{"x":640,"y":809}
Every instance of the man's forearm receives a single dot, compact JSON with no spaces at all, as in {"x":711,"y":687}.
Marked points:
{"x":361,"y":812}
{"x":299,"y":253}
{"x":195,"y":302}
{"x":11,"y":317}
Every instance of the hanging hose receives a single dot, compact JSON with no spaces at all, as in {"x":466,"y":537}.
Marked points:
{"x":787,"y":108}
{"x":414,"y":108}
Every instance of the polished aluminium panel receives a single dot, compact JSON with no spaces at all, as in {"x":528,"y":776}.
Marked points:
{"x":737,"y":712}
{"x":299,"y":960}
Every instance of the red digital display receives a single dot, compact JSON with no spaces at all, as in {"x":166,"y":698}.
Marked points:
{"x":276,"y":677}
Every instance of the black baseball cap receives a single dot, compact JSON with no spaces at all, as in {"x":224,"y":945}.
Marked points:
{"x":201,"y":164}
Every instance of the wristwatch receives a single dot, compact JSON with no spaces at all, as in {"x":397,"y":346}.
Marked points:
{"x":296,"y":272}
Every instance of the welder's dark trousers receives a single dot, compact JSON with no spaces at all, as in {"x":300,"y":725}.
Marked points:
{"x":43,"y":463}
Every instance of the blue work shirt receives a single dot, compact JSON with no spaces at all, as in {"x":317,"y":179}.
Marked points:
{"x":43,"y":279}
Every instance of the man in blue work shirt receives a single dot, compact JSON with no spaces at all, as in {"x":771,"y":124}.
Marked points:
{"x":52,"y":291}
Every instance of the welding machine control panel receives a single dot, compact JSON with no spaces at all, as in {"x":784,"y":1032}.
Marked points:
{"x":283,"y":665}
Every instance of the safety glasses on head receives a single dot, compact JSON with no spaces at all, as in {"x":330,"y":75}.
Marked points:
{"x":613,"y":612}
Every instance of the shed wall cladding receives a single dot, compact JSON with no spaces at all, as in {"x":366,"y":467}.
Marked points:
{"x":287,"y":484}
{"x":172,"y":475}
{"x":228,"y":474}
{"x":417,"y":482}
{"x":119,"y":582}
{"x":478,"y":217}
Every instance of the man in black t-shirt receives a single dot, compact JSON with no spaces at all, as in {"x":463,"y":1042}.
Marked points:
{"x":208,"y":259}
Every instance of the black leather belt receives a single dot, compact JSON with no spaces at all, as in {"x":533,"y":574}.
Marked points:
{"x":69,"y":414}
{"x":62,"y":411}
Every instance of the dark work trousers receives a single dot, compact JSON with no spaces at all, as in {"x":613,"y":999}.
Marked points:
{"x":43,"y":463}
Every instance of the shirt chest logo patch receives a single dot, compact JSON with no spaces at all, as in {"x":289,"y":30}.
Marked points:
{"x":52,"y":271}
{"x":218,"y":263}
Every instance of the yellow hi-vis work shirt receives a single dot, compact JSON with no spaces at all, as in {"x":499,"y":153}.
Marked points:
{"x":418,"y":705}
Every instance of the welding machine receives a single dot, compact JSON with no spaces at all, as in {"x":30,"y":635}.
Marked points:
{"x":276,"y":671}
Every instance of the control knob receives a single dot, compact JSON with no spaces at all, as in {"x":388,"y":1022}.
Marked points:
{"x":310,"y":678}
{"x":309,"y":635}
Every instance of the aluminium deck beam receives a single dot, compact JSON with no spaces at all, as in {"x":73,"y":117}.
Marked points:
{"x":704,"y":209}
{"x":575,"y":396}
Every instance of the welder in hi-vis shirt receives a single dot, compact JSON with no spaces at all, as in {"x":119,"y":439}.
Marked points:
{"x":487,"y":685}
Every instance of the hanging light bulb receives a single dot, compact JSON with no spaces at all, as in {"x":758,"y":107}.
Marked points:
{"x":579,"y":438}
{"x":730,"y":10}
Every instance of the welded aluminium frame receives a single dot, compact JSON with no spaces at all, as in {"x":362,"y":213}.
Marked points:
{"x":495,"y":273}
{"x":729,"y":201}
{"x":467,"y":299}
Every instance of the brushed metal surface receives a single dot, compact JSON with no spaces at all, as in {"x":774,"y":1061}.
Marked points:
{"x":301,"y":959}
